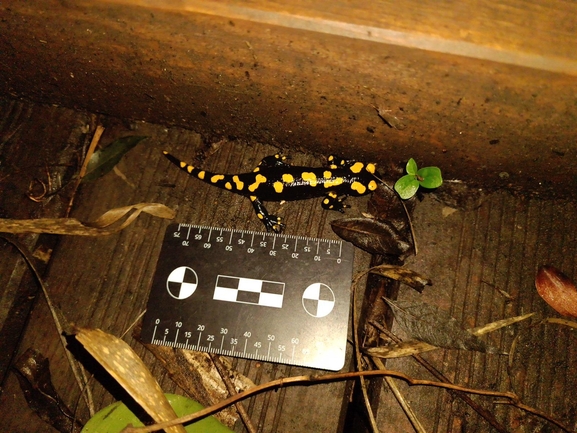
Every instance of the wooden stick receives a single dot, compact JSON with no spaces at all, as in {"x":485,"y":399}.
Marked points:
{"x":232,"y":391}
{"x":82,"y":172}
{"x":409,"y":412}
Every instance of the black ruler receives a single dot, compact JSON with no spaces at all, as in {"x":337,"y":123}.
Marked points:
{"x":263,"y":296}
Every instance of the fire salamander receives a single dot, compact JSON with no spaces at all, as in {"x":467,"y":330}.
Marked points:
{"x":276,"y":180}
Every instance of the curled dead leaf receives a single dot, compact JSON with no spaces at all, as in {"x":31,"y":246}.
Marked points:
{"x":373,"y":236}
{"x":36,"y":383}
{"x":428,"y":323}
{"x":557,"y":290}
{"x":124,"y":365}
{"x":404,"y":275}
{"x":105,"y":225}
{"x":413,"y":347}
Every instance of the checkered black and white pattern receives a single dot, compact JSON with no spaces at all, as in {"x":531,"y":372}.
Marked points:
{"x":249,"y":291}
{"x":182,"y":282}
{"x":318,"y":300}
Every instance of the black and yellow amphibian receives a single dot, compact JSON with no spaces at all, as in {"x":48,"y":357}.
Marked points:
{"x":276,"y":180}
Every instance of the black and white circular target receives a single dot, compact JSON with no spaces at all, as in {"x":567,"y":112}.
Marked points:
{"x":182,"y":282}
{"x":318,"y":300}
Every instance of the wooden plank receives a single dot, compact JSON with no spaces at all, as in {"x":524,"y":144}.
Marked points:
{"x":34,"y":185}
{"x":488,"y":123}
{"x":103,"y":282}
{"x":502,"y":32}
{"x":494,"y":252}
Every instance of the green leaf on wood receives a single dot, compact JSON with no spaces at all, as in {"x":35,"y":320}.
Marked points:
{"x":430,"y":177}
{"x":105,"y":159}
{"x":407,"y":186}
{"x":411,"y":167}
{"x":116,"y":417}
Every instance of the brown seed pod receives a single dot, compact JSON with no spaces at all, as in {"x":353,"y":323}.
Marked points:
{"x":557,"y":290}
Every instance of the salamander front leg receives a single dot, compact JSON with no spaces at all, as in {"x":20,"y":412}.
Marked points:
{"x":271,"y":222}
{"x":276,"y":160}
{"x":333,"y":202}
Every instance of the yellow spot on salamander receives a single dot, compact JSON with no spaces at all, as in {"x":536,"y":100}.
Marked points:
{"x":310,"y":178}
{"x":228,"y":185}
{"x":288,"y":178}
{"x":327,"y":174}
{"x":278,"y":186}
{"x":372,"y":185}
{"x":216,"y":178}
{"x":357,"y":167}
{"x":189,"y":168}
{"x":184,"y":164}
{"x":329,"y":183}
{"x":326,"y":201}
{"x":332,"y":194}
{"x":201,"y":174}
{"x":260,"y":216}
{"x":358,"y":187}
{"x":252,"y":198}
{"x":259,"y":178}
{"x":256,"y":170}
{"x":371,"y":168}
{"x":239,"y":183}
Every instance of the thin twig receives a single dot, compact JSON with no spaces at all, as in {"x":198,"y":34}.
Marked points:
{"x":489,"y":417}
{"x":58,"y":319}
{"x":409,"y":412}
{"x":333,"y":377}
{"x":358,"y":358}
{"x":409,"y":220}
{"x":232,"y":391}
{"x":133,"y":324}
{"x":82,"y":172}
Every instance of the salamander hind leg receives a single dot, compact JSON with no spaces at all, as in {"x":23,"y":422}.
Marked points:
{"x":333,"y":202}
{"x":271,"y":222}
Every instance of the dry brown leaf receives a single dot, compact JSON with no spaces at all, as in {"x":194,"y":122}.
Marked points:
{"x":197,"y":375}
{"x":413,"y":347}
{"x":557,"y":290}
{"x":100,"y":227}
{"x":432,"y":325}
{"x":399,"y":350}
{"x":118,"y":358}
{"x":371,"y":235}
{"x":404,"y":275}
{"x":36,"y":383}
{"x":390,"y":119}
{"x":558,"y":321}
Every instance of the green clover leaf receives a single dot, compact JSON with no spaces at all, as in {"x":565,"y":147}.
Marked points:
{"x":407,"y":186}
{"x":431,"y":177}
{"x":412,"y":167}
{"x":428,"y":177}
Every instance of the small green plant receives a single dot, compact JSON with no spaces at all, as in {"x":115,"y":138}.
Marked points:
{"x":428,"y":177}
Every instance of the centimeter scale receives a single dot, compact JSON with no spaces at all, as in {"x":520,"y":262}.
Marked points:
{"x":263,"y":296}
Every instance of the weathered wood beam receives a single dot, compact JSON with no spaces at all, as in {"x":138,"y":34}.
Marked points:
{"x":487,"y":122}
